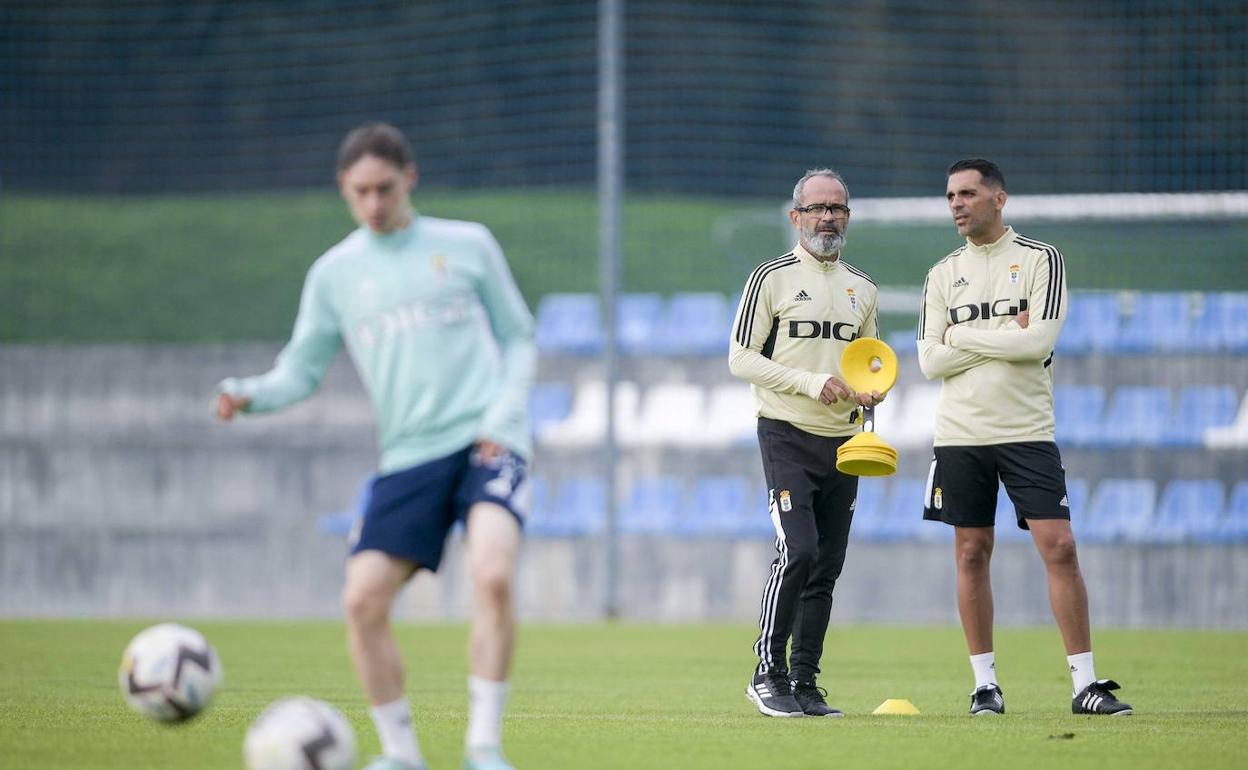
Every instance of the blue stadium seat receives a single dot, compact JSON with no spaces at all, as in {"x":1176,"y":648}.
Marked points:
{"x":1234,"y":526}
{"x":340,"y":523}
{"x":1092,"y":324}
{"x":1159,"y":323}
{"x":580,"y":508}
{"x":1222,"y":324}
{"x":639,"y":323}
{"x":734,"y":303}
{"x":697,"y":323}
{"x":903,"y":342}
{"x":1136,"y":416}
{"x":1007,"y":529}
{"x":755,"y":523}
{"x":1197,"y":408}
{"x":718,"y":506}
{"x":902,"y":514}
{"x":1077,"y":411}
{"x":1190,"y":510}
{"x":542,"y":520}
{"x":1007,"y":520}
{"x":1121,"y":510}
{"x":569,"y":323}
{"x":1077,"y":497}
{"x":549,"y":402}
{"x":653,"y":506}
{"x":868,"y":509}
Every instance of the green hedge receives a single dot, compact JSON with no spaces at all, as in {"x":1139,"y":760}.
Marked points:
{"x":229,"y":267}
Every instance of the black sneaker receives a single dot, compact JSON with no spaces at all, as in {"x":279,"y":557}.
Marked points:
{"x":987,"y":700}
{"x":1096,"y":698}
{"x":773,"y":696}
{"x":811,"y":698}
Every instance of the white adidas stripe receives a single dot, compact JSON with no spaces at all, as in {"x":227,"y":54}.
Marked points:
{"x":771,"y":594}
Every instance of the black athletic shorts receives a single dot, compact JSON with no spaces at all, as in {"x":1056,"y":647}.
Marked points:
{"x":962,"y":483}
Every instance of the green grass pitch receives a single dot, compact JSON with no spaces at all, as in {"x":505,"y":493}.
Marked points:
{"x":644,"y":696}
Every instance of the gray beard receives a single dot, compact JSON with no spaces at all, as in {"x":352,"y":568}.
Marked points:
{"x":825,"y":245}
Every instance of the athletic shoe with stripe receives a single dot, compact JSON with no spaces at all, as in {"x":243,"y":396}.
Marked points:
{"x":811,"y":698}
{"x":389,"y":763}
{"x":987,"y":699}
{"x":1096,"y":698}
{"x":773,"y":696}
{"x":490,"y":759}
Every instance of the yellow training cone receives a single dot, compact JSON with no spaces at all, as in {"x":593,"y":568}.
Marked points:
{"x":869,"y":364}
{"x":896,"y":707}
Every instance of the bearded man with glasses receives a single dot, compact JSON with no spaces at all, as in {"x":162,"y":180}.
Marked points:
{"x":797,"y":314}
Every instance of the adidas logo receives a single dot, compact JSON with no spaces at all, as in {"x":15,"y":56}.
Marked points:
{"x":1065,"y":503}
{"x":961,"y":282}
{"x":802,"y":296}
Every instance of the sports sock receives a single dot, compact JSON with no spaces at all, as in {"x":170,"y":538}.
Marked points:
{"x":985,"y":667}
{"x":1082,"y":672}
{"x":486,"y":700}
{"x":394,"y":726}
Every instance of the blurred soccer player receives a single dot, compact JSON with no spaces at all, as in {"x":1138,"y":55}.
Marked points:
{"x":991,"y":314}
{"x":430,"y":314}
{"x":797,"y":314}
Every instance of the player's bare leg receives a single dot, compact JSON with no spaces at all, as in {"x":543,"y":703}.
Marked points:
{"x":974,"y":557}
{"x":974,"y":554}
{"x":1069,"y":598}
{"x":493,"y":544}
{"x":1067,"y":593}
{"x":373,"y":580}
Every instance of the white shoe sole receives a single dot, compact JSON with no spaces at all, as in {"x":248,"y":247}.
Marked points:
{"x":763,"y":709}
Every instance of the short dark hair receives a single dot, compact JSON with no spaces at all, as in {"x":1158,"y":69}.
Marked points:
{"x":990,"y":171}
{"x":380,"y":139}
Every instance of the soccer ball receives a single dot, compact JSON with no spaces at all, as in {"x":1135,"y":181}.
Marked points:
{"x":169,"y":672}
{"x":299,"y":734}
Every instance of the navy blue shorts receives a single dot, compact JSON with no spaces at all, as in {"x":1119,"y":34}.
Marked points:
{"x":409,"y":513}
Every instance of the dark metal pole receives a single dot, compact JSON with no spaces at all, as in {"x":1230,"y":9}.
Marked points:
{"x":610,"y":186}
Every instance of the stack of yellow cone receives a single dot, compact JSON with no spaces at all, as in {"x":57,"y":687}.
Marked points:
{"x":868,"y":365}
{"x":866,"y":455}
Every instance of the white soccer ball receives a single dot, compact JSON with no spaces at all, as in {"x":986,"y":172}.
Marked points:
{"x":299,"y":734}
{"x":169,"y":672}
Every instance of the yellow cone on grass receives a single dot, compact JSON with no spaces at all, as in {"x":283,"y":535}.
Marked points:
{"x":896,"y":707}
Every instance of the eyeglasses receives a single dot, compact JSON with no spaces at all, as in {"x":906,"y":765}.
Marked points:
{"x":819,"y":209}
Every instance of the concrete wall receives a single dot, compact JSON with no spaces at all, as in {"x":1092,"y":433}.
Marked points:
{"x":120,"y":496}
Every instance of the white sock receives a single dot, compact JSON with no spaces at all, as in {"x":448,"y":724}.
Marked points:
{"x":394,"y":726}
{"x":985,"y":667}
{"x":1082,"y":672}
{"x":486,"y":700}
